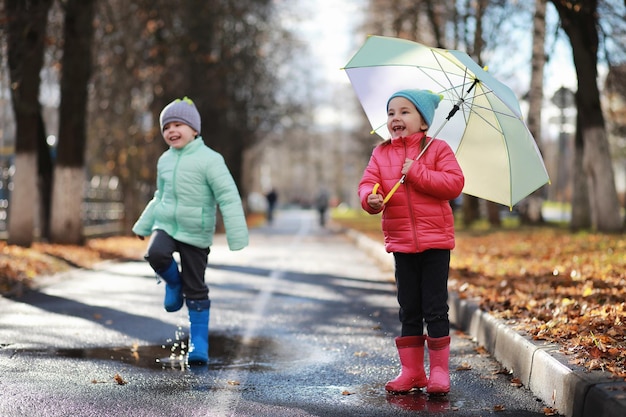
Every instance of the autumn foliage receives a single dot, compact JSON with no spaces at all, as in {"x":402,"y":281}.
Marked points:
{"x":20,"y":266}
{"x":554,"y":285}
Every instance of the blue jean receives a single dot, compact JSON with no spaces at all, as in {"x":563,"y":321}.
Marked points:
{"x":193,"y":262}
{"x":422,"y":286}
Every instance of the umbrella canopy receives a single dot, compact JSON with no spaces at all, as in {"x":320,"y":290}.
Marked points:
{"x":495,"y":149}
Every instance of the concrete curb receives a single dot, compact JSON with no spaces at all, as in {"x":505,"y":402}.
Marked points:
{"x":572,"y":390}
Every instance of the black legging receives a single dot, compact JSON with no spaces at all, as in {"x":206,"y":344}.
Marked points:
{"x":193,"y":262}
{"x":422,"y":284}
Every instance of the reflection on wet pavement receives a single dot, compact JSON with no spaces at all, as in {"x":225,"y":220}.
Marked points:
{"x":225,"y":351}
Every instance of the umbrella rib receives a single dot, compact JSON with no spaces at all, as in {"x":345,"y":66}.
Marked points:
{"x":483,"y":93}
{"x":468,"y":77}
{"x":490,"y":90}
{"x":496,"y":128}
{"x":436,"y":81}
{"x":445,"y":73}
{"x":498,"y":112}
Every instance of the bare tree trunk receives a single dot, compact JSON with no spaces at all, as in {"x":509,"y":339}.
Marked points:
{"x":24,"y":200}
{"x":493,"y":214}
{"x":45,"y":168}
{"x":535,"y":99}
{"x":26,"y":33}
{"x":469,"y":208}
{"x":581,"y":26}
{"x":605,"y":207}
{"x":470,"y":204}
{"x":69,"y":175}
{"x":581,"y":210}
{"x":538,"y":62}
{"x":435,"y":16}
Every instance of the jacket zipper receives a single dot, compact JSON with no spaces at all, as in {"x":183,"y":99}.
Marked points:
{"x":174,"y":187}
{"x":409,"y":206}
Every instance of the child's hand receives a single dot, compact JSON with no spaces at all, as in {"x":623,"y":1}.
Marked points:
{"x":407,"y":165}
{"x":375,"y":201}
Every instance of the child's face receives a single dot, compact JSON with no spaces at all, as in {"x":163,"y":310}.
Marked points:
{"x":403,"y":119}
{"x":178,"y":134}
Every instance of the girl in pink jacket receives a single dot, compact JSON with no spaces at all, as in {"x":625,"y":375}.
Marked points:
{"x":418,"y":226}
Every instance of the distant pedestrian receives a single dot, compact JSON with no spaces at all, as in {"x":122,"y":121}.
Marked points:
{"x":321,"y":203}
{"x":272,"y":199}
{"x":192,"y":181}
{"x":418,"y":226}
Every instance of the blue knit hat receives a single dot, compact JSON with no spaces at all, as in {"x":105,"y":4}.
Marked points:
{"x":181,"y":110}
{"x":425,"y":101}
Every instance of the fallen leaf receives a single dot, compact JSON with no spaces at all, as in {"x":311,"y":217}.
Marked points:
{"x":464,"y":367}
{"x":481,"y":350}
{"x":119,"y":380}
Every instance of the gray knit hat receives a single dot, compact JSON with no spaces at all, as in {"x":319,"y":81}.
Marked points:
{"x":181,"y":110}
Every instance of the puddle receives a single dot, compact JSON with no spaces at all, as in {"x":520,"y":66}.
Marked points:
{"x":255,"y":354}
{"x":420,"y":401}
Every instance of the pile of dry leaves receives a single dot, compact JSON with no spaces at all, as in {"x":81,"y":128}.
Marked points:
{"x":556,"y":286}
{"x":20,"y":266}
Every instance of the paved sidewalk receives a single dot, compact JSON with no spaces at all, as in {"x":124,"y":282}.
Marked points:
{"x":572,"y":390}
{"x":302,"y":325}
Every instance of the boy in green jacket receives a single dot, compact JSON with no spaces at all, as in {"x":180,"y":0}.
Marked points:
{"x":192,"y":181}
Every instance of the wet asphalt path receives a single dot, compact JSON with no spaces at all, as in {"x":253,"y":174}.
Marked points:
{"x":302,"y":324}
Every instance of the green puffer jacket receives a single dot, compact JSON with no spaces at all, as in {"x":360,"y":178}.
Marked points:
{"x":191,"y":183}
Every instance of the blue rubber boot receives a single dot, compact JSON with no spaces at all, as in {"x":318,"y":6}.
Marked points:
{"x":198,"y":331}
{"x":173,"y":288}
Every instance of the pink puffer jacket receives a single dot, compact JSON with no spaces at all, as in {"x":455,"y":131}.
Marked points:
{"x":418,"y":216}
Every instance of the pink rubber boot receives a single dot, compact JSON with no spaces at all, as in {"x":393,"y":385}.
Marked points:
{"x":412,"y":375}
{"x":439,"y":354}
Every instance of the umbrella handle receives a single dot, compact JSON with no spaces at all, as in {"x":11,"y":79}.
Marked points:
{"x":393,"y":190}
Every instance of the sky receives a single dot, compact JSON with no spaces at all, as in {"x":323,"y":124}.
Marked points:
{"x":330,"y":29}
{"x":330,"y":26}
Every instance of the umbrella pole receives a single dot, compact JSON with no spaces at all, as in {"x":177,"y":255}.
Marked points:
{"x":455,"y":108}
